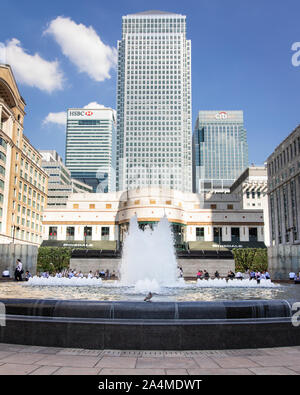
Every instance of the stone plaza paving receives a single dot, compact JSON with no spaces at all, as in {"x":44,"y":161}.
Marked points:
{"x":35,"y":360}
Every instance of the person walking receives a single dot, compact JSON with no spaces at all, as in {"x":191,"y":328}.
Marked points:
{"x":19,"y":270}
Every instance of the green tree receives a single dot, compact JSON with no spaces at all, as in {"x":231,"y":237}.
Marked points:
{"x":250,"y":259}
{"x":53,"y":259}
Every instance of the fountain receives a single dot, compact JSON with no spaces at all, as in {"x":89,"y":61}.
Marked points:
{"x":149,"y":265}
{"x":207,"y":314}
{"x":149,"y":260}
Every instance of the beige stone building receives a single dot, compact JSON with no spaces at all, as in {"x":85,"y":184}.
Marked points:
{"x":23,"y":182}
{"x":93,"y":220}
{"x":252,"y":189}
{"x":284,"y":206}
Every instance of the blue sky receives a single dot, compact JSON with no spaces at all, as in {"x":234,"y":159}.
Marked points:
{"x":241,"y":60}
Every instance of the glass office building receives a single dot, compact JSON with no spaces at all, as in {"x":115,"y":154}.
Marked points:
{"x":220,"y":150}
{"x":60,"y":183}
{"x":90,"y":147}
{"x":154,"y":130}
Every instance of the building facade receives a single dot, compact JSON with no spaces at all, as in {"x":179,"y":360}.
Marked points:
{"x":154,"y":130}
{"x":23,"y":182}
{"x":60,"y":183}
{"x":91,"y":147}
{"x":284,"y":191}
{"x":252,"y":190}
{"x":218,"y":221}
{"x":220,"y":150}
{"x":284,"y":205}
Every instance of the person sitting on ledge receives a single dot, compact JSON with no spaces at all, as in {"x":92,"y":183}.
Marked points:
{"x":217,"y":274}
{"x":5,"y":273}
{"x":292,"y":275}
{"x":200,"y":274}
{"x":27,"y":275}
{"x":252,"y":275}
{"x":258,"y":277}
{"x":239,"y":276}
{"x":180,"y":272}
{"x":206,"y":275}
{"x":230,"y":275}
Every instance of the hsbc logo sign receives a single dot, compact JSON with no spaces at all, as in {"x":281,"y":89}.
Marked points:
{"x":81,"y":113}
{"x":221,"y":115}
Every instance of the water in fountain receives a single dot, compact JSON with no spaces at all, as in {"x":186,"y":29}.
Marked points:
{"x":149,"y":260}
{"x":149,"y":264}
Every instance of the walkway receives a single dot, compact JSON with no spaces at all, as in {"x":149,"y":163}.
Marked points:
{"x":34,"y":360}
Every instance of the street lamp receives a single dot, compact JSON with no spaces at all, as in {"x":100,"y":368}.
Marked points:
{"x":14,"y":229}
{"x":218,"y":231}
{"x":85,"y":234}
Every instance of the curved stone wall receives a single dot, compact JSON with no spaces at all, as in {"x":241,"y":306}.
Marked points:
{"x":149,"y":326}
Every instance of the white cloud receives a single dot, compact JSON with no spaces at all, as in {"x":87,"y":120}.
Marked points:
{"x":83,"y":47}
{"x":94,"y":105}
{"x":32,"y":70}
{"x":59,"y":118}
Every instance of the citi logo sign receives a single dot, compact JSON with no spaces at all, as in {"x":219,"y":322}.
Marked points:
{"x":222,"y":115}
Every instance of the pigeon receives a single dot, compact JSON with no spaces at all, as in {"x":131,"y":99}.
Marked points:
{"x":148,"y":297}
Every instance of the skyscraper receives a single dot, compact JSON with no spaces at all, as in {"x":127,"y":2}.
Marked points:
{"x":220,"y":150}
{"x":60,"y":183}
{"x":154,"y":130}
{"x":90,"y":147}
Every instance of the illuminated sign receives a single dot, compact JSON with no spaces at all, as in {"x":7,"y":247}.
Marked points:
{"x":80,"y":113}
{"x":221,"y":115}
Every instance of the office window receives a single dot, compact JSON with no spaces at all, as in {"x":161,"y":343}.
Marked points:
{"x":88,"y":232}
{"x":105,"y":233}
{"x":70,"y":233}
{"x":252,"y":234}
{"x":53,"y":233}
{"x":200,"y":234}
{"x":235,"y":234}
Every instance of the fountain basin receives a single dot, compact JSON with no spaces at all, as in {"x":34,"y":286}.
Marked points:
{"x":150,"y":326}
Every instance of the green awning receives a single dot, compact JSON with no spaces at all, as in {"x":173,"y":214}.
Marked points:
{"x":224,"y":245}
{"x":90,"y":244}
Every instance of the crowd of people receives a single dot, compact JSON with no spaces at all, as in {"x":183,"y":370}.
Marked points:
{"x":20,"y":275}
{"x":70,"y":273}
{"x":19,"y":272}
{"x":250,"y":274}
{"x":294,"y":276}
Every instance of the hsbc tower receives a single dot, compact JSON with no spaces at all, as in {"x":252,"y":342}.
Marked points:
{"x":220,"y":150}
{"x":90,"y":147}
